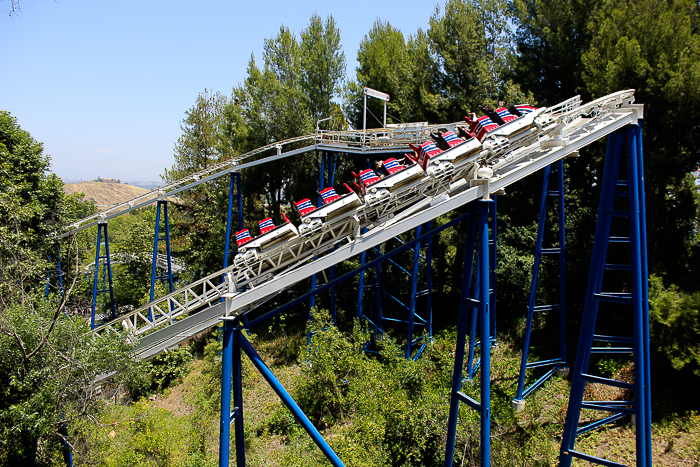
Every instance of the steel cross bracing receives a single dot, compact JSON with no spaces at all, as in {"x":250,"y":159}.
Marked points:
{"x":288,"y":263}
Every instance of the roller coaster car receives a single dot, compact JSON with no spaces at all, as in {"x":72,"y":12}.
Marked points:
{"x":334,"y":207}
{"x":396,"y":177}
{"x":438,"y":163}
{"x":244,"y":255}
{"x":513,"y":125}
{"x":270,"y":236}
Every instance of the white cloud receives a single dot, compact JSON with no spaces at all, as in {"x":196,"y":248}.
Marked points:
{"x":107,"y":151}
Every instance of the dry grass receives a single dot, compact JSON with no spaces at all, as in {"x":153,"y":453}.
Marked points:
{"x":104,"y":194}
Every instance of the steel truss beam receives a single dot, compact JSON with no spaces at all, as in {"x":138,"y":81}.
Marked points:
{"x":373,"y":141}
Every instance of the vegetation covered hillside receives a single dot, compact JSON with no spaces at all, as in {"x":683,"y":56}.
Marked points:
{"x":105,"y":193}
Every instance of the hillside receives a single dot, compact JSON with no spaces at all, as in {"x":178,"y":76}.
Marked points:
{"x":105,"y":193}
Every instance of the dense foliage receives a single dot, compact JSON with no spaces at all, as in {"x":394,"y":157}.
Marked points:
{"x":48,"y":360}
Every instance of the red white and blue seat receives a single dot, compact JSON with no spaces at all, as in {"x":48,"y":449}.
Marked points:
{"x":328,"y":195}
{"x":392,"y":166}
{"x":266,"y":225}
{"x":304,"y":206}
{"x":242,"y":237}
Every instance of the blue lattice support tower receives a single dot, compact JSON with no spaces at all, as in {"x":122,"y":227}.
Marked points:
{"x":635,"y":301}
{"x":168,"y":275}
{"x":476,"y":225}
{"x":375,"y":314}
{"x":556,"y":366}
{"x":106,"y":273}
{"x":234,"y":341}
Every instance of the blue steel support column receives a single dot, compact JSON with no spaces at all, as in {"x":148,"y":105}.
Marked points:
{"x":645,"y":284}
{"x":239,"y":197}
{"x":162,"y":204}
{"x":286,"y":398}
{"x":361,"y":284}
{"x":153,"y":263}
{"x":533,"y":283}
{"x":237,"y":370}
{"x":639,"y":303}
{"x":562,"y":263}
{"x":429,"y":281}
{"x":378,"y":282}
{"x":494,"y":266}
{"x":67,"y":452}
{"x":226,"y":367}
{"x":467,"y":266}
{"x":637,"y":298}
{"x":321,"y":166}
{"x":227,"y":240}
{"x":60,"y":277}
{"x":484,"y":273}
{"x":560,"y":363}
{"x":414,"y":288}
{"x":97,"y":272}
{"x":484,"y":406}
{"x":109,"y":272}
{"x":590,"y":309}
{"x":167,"y":246}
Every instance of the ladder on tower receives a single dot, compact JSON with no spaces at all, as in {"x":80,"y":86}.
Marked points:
{"x":620,"y":200}
{"x":557,"y":366}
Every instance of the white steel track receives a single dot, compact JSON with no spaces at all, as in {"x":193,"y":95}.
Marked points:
{"x":177,"y":316}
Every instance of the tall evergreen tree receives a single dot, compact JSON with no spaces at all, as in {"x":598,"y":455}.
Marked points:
{"x":654,"y":47}
{"x":200,"y":215}
{"x":551,"y":36}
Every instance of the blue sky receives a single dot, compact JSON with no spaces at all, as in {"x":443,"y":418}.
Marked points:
{"x":104,"y":84}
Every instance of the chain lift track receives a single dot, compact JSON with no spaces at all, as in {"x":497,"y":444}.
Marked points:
{"x":451,"y":181}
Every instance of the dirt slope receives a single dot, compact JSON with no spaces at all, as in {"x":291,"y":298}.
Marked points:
{"x":104,"y":193}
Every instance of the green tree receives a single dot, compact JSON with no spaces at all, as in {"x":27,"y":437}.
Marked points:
{"x":551,"y":37}
{"x":199,"y":217}
{"x":322,"y":66}
{"x":282,"y":99}
{"x":654,"y":47}
{"x":48,"y":361}
{"x":403,"y":69}
{"x":472,"y":43}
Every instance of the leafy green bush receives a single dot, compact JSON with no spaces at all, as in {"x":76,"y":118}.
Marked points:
{"x":675,"y":325}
